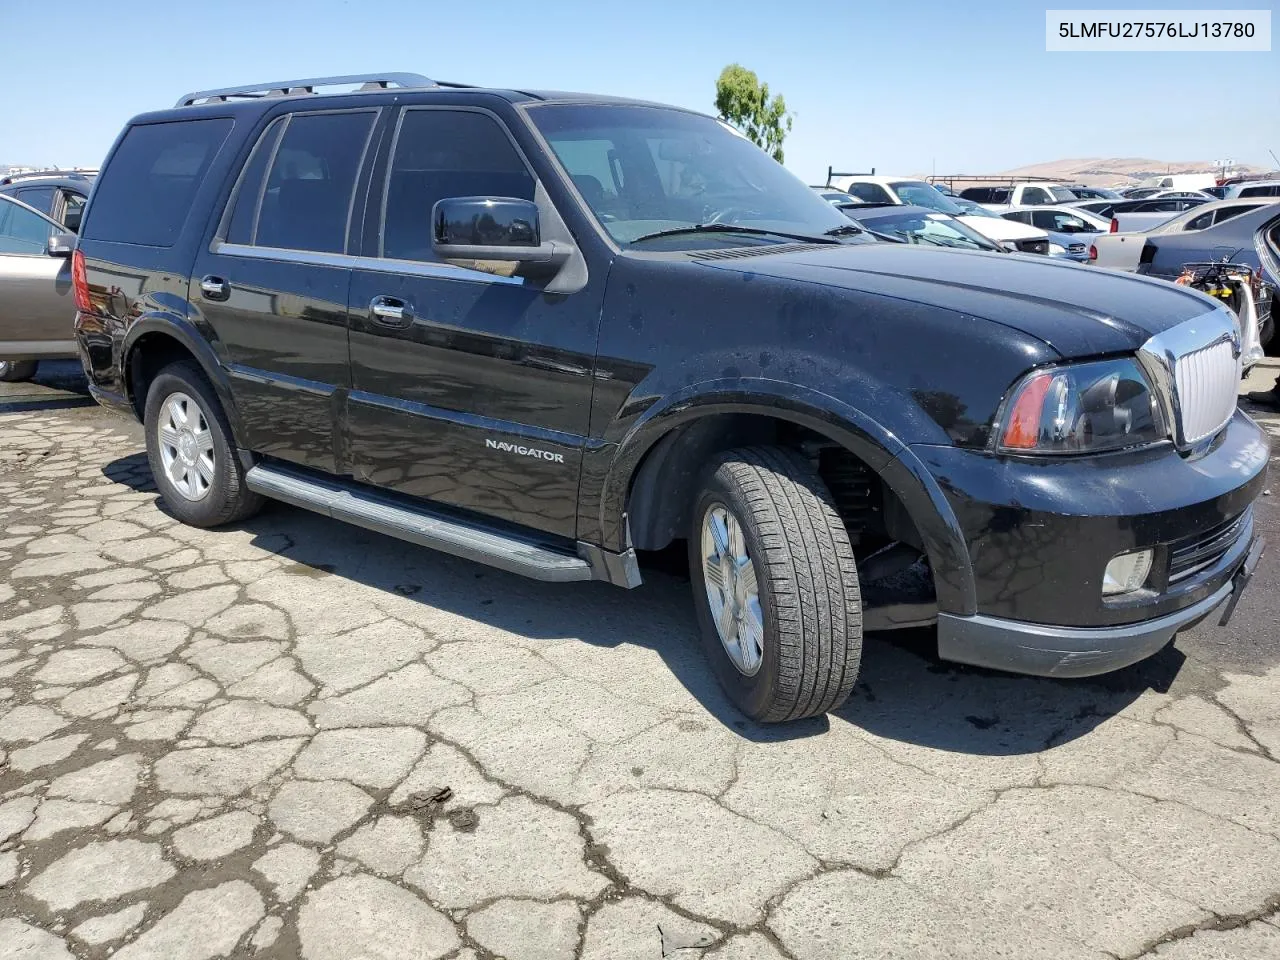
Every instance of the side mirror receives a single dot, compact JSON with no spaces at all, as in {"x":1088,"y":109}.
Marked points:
{"x":61,"y":245}
{"x":492,"y":228}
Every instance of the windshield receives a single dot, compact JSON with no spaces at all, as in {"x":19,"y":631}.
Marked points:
{"x":921,"y":194}
{"x":646,"y":170}
{"x":970,"y":209}
{"x":931,"y":229}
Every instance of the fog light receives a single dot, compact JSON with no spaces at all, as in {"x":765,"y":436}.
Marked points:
{"x":1126,"y":573}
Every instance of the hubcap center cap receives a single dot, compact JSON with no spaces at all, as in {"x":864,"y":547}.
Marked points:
{"x":187,"y":447}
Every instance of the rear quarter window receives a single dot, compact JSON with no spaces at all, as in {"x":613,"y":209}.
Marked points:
{"x":144,"y":195}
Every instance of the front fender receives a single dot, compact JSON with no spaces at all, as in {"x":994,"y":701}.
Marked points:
{"x":877,"y":446}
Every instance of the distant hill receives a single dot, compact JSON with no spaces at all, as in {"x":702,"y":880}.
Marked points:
{"x":1115,"y":171}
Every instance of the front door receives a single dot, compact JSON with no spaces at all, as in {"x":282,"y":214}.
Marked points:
{"x":36,"y":305}
{"x":274,"y":284}
{"x":474,"y":389}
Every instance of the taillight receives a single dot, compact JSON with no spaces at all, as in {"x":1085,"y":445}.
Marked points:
{"x":80,"y":282}
{"x":1115,"y":226}
{"x":1093,"y":252}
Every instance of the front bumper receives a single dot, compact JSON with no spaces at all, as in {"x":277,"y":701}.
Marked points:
{"x":1039,"y":534}
{"x":1079,"y":651}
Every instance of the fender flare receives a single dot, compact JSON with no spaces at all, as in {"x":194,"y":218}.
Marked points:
{"x":179,"y":328}
{"x":884,"y":452}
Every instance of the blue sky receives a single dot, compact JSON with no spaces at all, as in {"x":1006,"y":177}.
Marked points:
{"x":903,"y":86}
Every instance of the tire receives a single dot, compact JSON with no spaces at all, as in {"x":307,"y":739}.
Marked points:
{"x":15,"y":371}
{"x":809,"y":609}
{"x":200,"y":476}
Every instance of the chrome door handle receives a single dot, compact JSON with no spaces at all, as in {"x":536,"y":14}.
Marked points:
{"x":390,"y":312}
{"x":215,"y":288}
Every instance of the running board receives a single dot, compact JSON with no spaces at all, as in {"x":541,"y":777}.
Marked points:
{"x":419,"y":524}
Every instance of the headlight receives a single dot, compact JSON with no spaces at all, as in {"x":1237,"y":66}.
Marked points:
{"x":1056,"y":249}
{"x":1081,"y":408}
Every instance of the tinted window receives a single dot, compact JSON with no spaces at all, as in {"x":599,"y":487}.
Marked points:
{"x":1036,"y":195}
{"x":41,"y":198}
{"x":72,"y":211}
{"x":1200,"y":222}
{"x":870,"y":192}
{"x":145,"y":193}
{"x":449,"y":153}
{"x":21,"y":231}
{"x":307,"y":201}
{"x":1226,"y":213}
{"x":248,"y":191}
{"x":1271,"y":191}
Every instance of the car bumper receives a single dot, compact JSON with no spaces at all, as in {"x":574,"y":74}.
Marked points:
{"x":1039,"y":535}
{"x":1050,"y":651}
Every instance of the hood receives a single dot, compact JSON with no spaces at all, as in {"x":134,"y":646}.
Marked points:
{"x":1080,"y":311}
{"x":998,"y":228}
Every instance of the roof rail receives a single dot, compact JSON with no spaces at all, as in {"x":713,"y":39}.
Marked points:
{"x":53,"y":172}
{"x":286,"y":88}
{"x":832,"y":172}
{"x":966,"y":178}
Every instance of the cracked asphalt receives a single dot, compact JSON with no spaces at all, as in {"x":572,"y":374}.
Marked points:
{"x":296,"y":738}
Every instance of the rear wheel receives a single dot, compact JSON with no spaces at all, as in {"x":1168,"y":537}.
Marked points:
{"x":190,"y":450}
{"x":775,"y":585}
{"x":13,"y":371}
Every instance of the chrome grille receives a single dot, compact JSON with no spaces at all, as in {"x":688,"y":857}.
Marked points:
{"x":1195,"y":368}
{"x":1207,"y":381}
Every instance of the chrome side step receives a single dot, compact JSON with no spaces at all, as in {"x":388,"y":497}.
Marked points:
{"x":418,"y":524}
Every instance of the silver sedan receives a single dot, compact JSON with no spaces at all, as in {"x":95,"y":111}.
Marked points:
{"x":37,"y":308}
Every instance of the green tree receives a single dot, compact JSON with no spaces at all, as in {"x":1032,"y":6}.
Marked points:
{"x":742,"y":100}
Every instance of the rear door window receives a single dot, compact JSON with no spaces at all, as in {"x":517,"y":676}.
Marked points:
{"x":306,"y":203}
{"x":145,"y":193}
{"x":41,"y":198}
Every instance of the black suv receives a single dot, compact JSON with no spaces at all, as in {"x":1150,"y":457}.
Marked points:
{"x":546,"y":330}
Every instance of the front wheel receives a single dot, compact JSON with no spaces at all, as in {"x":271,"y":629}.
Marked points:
{"x":15,"y":371}
{"x":190,"y":450}
{"x":775,"y":585}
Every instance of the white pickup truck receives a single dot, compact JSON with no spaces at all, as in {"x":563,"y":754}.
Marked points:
{"x":1010,"y":195}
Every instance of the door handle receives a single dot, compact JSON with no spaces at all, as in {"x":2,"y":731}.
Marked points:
{"x":215,"y":288}
{"x":390,"y":312}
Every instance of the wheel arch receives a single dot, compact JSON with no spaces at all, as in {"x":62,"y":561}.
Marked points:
{"x":648,"y":487}
{"x":156,"y":340}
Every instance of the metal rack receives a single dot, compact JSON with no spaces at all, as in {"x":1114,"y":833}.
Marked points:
{"x":289,"y":88}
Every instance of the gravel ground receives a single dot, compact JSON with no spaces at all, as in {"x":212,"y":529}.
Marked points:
{"x":296,"y":738}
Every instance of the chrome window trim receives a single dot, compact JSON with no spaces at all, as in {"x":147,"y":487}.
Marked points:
{"x":1159,"y":358}
{"x":417,"y":268}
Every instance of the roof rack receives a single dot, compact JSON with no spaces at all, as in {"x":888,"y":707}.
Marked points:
{"x":833,"y":172}
{"x":951,"y":178}
{"x":288,"y":88}
{"x":52,"y":172}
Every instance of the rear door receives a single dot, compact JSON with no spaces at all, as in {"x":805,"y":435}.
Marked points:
{"x":273,"y":284}
{"x":36,"y":306}
{"x":479,"y":396}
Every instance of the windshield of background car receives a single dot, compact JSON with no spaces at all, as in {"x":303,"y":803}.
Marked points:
{"x":642,"y":170}
{"x":932,"y":229}
{"x":1062,"y":195}
{"x":917,"y":193}
{"x":970,"y":209}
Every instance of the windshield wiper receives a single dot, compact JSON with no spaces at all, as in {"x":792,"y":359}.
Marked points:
{"x":847,"y":230}
{"x":731,"y":228}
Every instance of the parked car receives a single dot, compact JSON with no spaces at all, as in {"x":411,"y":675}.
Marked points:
{"x":36,"y":306}
{"x":1093,"y":193}
{"x":834,"y":197}
{"x":1130,"y":215}
{"x":1059,"y":219}
{"x":57,"y":194}
{"x":919,"y":225}
{"x":1122,"y":251}
{"x":546,"y":331}
{"x":1099,"y":208}
{"x":1009,"y":196}
{"x":890,"y":190}
{"x":1253,"y":188}
{"x":1251,"y":238}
